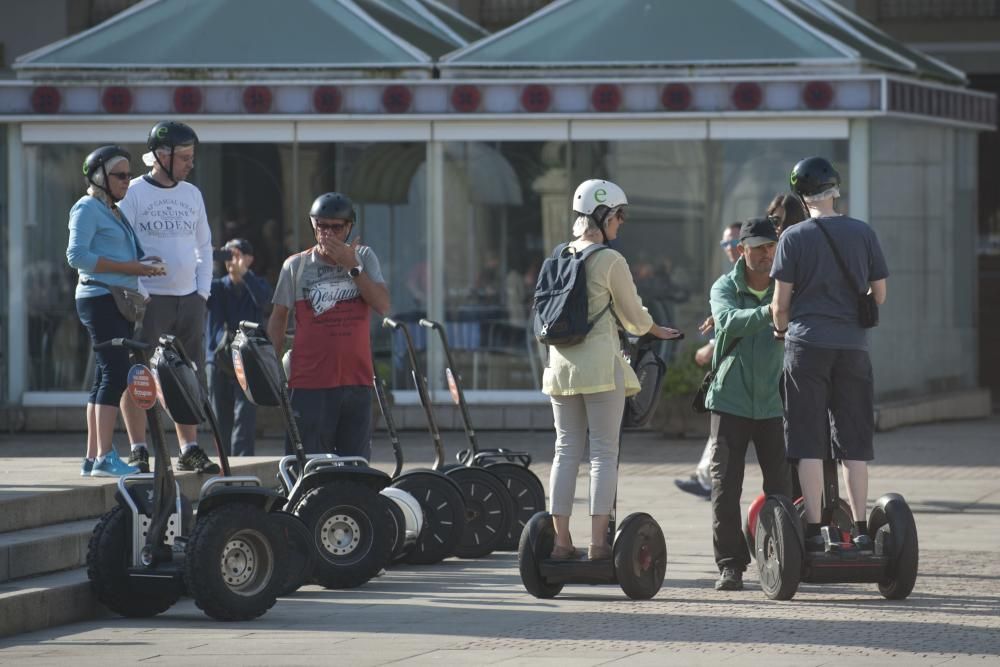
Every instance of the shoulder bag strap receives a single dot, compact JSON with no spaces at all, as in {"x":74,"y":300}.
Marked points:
{"x":729,"y":349}
{"x":836,"y":255}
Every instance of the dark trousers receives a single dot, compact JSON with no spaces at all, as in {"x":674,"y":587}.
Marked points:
{"x":732,"y":435}
{"x":333,"y":421}
{"x":236,"y":415}
{"x":103,"y":321}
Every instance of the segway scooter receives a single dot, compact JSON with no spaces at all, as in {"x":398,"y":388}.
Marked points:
{"x":525,"y":488}
{"x":639,"y":550}
{"x":337,"y":497}
{"x":489,"y":509}
{"x":783,"y":562}
{"x":150,"y":548}
{"x":439,"y":499}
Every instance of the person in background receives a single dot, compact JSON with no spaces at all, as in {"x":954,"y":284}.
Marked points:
{"x":239,"y":295}
{"x":168,"y":216}
{"x":103,"y":249}
{"x":700,"y":482}
{"x":330,"y":290}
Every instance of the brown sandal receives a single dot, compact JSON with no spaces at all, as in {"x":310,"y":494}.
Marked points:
{"x":599,"y":552}
{"x":564,"y":553}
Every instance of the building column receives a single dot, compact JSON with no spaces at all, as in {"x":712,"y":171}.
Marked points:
{"x":434,"y":230}
{"x":859,"y":163}
{"x":17,"y":315}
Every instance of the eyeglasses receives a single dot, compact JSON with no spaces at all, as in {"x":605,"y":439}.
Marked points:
{"x":120,"y":175}
{"x":729,"y":244}
{"x":335,"y":227}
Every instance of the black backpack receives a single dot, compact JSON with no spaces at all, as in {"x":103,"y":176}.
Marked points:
{"x":560,"y":307}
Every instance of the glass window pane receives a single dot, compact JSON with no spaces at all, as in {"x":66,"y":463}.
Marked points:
{"x":502,"y":201}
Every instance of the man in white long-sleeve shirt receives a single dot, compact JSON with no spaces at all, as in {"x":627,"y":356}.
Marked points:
{"x":168,"y":215}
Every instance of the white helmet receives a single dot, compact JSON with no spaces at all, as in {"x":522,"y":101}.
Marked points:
{"x":591,"y":195}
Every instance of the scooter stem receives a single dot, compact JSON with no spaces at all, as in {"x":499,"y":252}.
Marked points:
{"x":470,"y":432}
{"x":390,"y":425}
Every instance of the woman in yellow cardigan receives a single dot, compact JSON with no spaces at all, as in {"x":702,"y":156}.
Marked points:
{"x":588,"y":382}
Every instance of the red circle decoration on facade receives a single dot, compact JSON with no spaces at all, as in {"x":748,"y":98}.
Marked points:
{"x":536,"y":98}
{"x":397,"y":99}
{"x":117,"y":99}
{"x":817,"y":95}
{"x":676,"y":97}
{"x":327,"y":99}
{"x":747,"y":96}
{"x":187,"y":99}
{"x":46,"y":99}
{"x":606,"y":97}
{"x":465,"y":98}
{"x":257,"y":99}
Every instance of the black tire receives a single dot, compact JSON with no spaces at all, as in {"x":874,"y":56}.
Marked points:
{"x":894,"y":532}
{"x":488,"y":511}
{"x":527,"y":494}
{"x":301,"y":553}
{"x":349,"y":531}
{"x":779,"y":549}
{"x":234,"y":564}
{"x":109,"y":555}
{"x":444,"y":516}
{"x":536,"y":543}
{"x":640,"y":554}
{"x":396,"y":522}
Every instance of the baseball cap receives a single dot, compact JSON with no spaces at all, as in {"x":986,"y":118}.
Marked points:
{"x":758,"y":231}
{"x":240,"y":244}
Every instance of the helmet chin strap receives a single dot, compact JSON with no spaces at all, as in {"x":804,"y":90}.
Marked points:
{"x":169,"y":171}
{"x":104,"y":188}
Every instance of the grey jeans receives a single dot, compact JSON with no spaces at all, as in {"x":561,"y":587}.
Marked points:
{"x":574,"y":416}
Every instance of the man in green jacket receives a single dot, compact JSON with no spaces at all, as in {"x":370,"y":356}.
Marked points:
{"x":743,"y":398}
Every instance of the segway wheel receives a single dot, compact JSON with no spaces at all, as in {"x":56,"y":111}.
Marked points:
{"x":779,"y":548}
{"x":396,"y":522}
{"x":750,"y":523}
{"x":894,"y":532}
{"x":109,"y":555}
{"x":301,"y":554}
{"x":444,"y":516}
{"x":640,"y":554}
{"x":235,"y":562}
{"x":537,"y":540}
{"x":350,"y":533}
{"x":488,"y":511}
{"x":527,"y":494}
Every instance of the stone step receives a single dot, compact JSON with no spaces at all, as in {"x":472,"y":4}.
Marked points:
{"x":24,"y":503}
{"x":46,"y":601}
{"x":37,"y":551}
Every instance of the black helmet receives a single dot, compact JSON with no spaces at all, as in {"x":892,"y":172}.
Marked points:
{"x":333,"y":205}
{"x":100,"y":157}
{"x":813,"y":176}
{"x":170,"y":134}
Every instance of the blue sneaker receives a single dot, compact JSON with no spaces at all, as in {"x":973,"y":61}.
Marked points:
{"x":86,"y":467}
{"x":112,"y":466}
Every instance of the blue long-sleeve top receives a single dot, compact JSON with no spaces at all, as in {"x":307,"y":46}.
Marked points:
{"x":95,"y":232}
{"x":229,"y":303}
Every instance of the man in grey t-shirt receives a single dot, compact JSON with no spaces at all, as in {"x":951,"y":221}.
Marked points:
{"x":828,"y":384}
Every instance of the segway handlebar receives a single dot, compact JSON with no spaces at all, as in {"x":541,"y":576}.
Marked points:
{"x":429,"y":324}
{"x":123,"y":342}
{"x":248,"y":326}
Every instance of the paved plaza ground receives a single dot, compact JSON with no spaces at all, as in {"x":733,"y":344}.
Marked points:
{"x":476,"y":612}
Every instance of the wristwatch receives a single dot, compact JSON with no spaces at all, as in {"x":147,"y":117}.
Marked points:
{"x":356,"y":271}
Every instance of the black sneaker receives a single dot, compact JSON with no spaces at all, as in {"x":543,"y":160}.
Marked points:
{"x":197,"y":460}
{"x":864,"y":543}
{"x":729,"y":580}
{"x":139,"y":458}
{"x":693,"y":486}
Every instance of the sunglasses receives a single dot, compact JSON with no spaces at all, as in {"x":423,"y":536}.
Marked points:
{"x":335,"y":227}
{"x":729,"y":244}
{"x":121,"y":175}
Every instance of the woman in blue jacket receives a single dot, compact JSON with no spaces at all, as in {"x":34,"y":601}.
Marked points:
{"x":103,"y":248}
